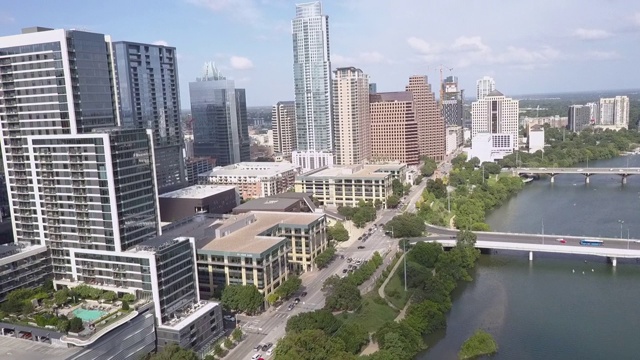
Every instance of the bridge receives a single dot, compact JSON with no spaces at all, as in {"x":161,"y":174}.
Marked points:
{"x":612,"y":248}
{"x":624,"y":173}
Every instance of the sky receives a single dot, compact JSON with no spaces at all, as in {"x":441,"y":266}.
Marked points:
{"x":527,"y":46}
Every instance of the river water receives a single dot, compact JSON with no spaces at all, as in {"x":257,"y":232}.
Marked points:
{"x":556,"y":307}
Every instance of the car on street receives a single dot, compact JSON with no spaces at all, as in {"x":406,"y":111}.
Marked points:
{"x":349,"y":260}
{"x":270,"y":351}
{"x":304,"y":293}
{"x":258,"y":347}
{"x":344,"y":270}
{"x":229,"y":318}
{"x":562,"y":241}
{"x":255,"y":356}
{"x":265,"y":347}
{"x":358,"y":262}
{"x":360,"y":247}
{"x":296,"y":300}
{"x":290,"y":307}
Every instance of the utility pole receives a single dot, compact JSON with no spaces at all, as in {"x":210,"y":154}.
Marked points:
{"x":405,"y":265}
{"x":542,"y":231}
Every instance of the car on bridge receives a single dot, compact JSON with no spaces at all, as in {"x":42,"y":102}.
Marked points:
{"x":562,"y":241}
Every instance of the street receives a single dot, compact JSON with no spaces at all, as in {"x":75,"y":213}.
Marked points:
{"x":270,"y":326}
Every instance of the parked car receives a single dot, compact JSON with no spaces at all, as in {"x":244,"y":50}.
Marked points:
{"x":270,"y":351}
{"x":349,"y":260}
{"x":361,"y":247}
{"x":265,"y":347}
{"x":304,"y":293}
{"x":296,"y":300}
{"x":258,"y":347}
{"x":344,"y":270}
{"x":255,"y":356}
{"x":269,"y":345}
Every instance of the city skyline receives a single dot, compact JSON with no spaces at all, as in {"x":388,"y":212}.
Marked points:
{"x":553,"y":50}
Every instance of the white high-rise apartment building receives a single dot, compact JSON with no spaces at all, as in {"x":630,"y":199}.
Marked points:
{"x":283,"y":124}
{"x":495,"y":114}
{"x":607,"y":111}
{"x":312,"y":85}
{"x":484,"y":86}
{"x":621,"y":115}
{"x":352,"y":116}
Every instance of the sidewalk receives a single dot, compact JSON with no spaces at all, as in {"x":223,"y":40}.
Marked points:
{"x":384,"y":284}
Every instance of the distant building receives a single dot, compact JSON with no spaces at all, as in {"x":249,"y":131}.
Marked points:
{"x":555,"y":121}
{"x":219,"y":112}
{"x":452,"y":102}
{"x":373,"y":88}
{"x":535,"y":138}
{"x":352,"y":119}
{"x":455,"y":138}
{"x":198,"y":199}
{"x":595,"y":112}
{"x":312,"y":87}
{"x":284,"y":202}
{"x":484,"y":86}
{"x":394,"y":130}
{"x":496,"y":114}
{"x":431,"y":142}
{"x":491,"y":147}
{"x":579,"y":117}
{"x":615,"y":111}
{"x":347,"y":185}
{"x":197,"y":166}
{"x":283,"y":124}
{"x":254,"y":179}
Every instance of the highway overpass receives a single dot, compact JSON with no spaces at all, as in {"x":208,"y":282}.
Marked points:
{"x":612,"y":248}
{"x":623,"y":172}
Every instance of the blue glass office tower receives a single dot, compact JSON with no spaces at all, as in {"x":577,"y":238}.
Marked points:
{"x":219,"y":112}
{"x":148,"y":96}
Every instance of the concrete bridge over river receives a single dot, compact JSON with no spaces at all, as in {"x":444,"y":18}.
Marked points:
{"x":624,"y":173}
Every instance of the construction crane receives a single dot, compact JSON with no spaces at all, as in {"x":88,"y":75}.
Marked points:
{"x":441,"y":68}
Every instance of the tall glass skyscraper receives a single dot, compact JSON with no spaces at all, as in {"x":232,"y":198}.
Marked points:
{"x":148,"y":96}
{"x":219,"y":113}
{"x":312,"y":85}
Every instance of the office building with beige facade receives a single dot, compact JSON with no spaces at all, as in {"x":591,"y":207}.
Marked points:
{"x":431,"y":128}
{"x":253,"y":179}
{"x":347,"y":185}
{"x":283,"y":124}
{"x":394,"y":129}
{"x":352,"y":121}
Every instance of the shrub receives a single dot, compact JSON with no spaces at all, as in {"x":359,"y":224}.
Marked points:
{"x":75,"y":325}
{"x":125,"y":305}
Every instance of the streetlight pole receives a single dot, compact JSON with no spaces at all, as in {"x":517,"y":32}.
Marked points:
{"x":405,"y":265}
{"x":621,"y":222}
{"x":542,"y":231}
{"x":628,"y":239}
{"x":448,"y":200}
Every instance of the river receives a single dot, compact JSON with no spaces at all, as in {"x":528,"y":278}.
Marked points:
{"x":556,"y":307}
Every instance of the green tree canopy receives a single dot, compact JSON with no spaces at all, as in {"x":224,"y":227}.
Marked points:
{"x":397,"y":188}
{"x":324,"y":258}
{"x":315,"y":320}
{"x":242,"y":298}
{"x":174,"y":352}
{"x":406,"y":225}
{"x":311,"y":345}
{"x":338,"y":232}
{"x":429,"y":167}
{"x":393,"y":201}
{"x":342,"y":295}
{"x":425,"y":253}
{"x":289,"y":287}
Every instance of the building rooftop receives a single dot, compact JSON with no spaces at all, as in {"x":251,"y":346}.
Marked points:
{"x":197,"y":191}
{"x":12,"y":252}
{"x":267,"y":204}
{"x":14,"y":348}
{"x":495,"y":93}
{"x":266,"y":169}
{"x":391,"y":96}
{"x":190,"y":314}
{"x":349,"y":171}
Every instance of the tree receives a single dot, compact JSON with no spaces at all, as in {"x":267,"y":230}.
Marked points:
{"x":324,"y":258}
{"x":217,"y":349}
{"x":459,"y":161}
{"x":242,"y":298}
{"x":465,"y":237}
{"x":61,"y":296}
{"x":425,"y":253}
{"x":289,"y":287}
{"x":228,"y":343}
{"x":75,"y":325}
{"x":393,"y":201}
{"x":125,"y":305}
{"x":426,"y":317}
{"x":311,"y":345}
{"x":354,"y":337}
{"x":345,"y":295}
{"x":429,"y":167}
{"x":130,"y":298}
{"x":479,"y":344}
{"x":316,"y":320}
{"x":437,"y":188}
{"x":491,"y":168}
{"x":417,"y":274}
{"x":397,"y":188}
{"x":272,"y":298}
{"x":236,"y":335}
{"x":338,"y":232}
{"x":405,"y":225}
{"x":174,"y":352}
{"x":109,"y":296}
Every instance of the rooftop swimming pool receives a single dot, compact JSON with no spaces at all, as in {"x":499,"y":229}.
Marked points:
{"x":88,"y":315}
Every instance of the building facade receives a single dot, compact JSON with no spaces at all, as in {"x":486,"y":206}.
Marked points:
{"x":198,"y":199}
{"x":394,"y":130}
{"x":352,"y":116}
{"x":614,"y":111}
{"x":197,"y":166}
{"x":283,"y":124}
{"x":484,"y":86}
{"x":490,"y":147}
{"x":149,"y":98}
{"x":253,"y":179}
{"x":455,"y":138}
{"x":535,"y":138}
{"x":219,"y":113}
{"x":496,"y":114}
{"x":312,"y":86}
{"x":452,"y":102}
{"x":431,"y":134}
{"x":579,"y":117}
{"x":347,"y":185}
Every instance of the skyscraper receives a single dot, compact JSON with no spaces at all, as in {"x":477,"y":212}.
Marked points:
{"x":312,"y":86}
{"x":431,"y":130}
{"x":219,"y":113}
{"x":148,"y":98}
{"x":452,"y":100}
{"x":394,"y":130}
{"x":496,"y":114}
{"x":283,"y":124}
{"x":484,"y":86}
{"x":615,"y":111}
{"x":352,"y":118}
{"x":579,"y":117}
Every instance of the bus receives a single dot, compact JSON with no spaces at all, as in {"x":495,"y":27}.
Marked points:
{"x":588,"y":242}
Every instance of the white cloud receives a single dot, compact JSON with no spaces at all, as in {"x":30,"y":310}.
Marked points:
{"x":244,"y":10}
{"x":426,"y":50}
{"x":603,"y":55}
{"x":636,"y":18}
{"x":240,"y":63}
{"x":470,"y":44}
{"x":591,"y":34}
{"x":160,"y":43}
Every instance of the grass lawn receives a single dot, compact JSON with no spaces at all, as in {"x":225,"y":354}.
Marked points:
{"x":395,"y":290}
{"x":372,"y":314}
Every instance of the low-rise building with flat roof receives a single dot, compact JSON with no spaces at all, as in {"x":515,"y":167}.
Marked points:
{"x":253,"y":179}
{"x":347,"y":185}
{"x":285,"y":202}
{"x":184,"y":203}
